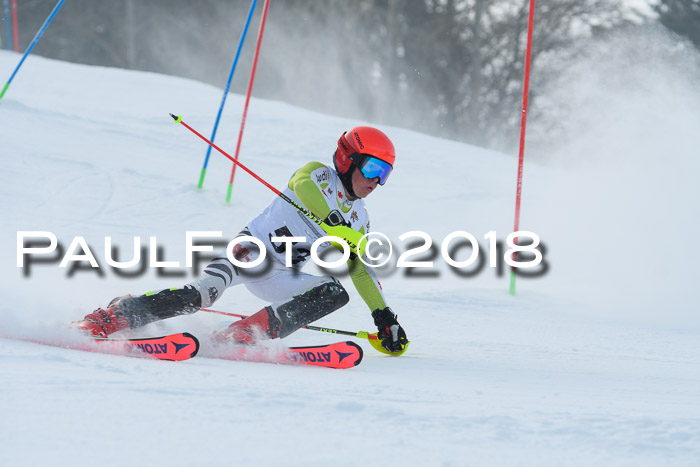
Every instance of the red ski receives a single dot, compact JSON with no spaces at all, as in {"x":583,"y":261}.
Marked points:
{"x":174,"y":347}
{"x":341,"y":355}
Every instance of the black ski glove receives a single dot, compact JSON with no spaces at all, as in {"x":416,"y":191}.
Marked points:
{"x":336,"y":218}
{"x":391,"y":333}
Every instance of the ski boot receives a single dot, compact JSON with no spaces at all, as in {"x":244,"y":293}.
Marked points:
{"x":249,"y":330}
{"x":103,"y":322}
{"x":279,"y":321}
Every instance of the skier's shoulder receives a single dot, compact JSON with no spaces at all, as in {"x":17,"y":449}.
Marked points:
{"x":317,"y":171}
{"x":320,"y":174}
{"x":313,"y":165}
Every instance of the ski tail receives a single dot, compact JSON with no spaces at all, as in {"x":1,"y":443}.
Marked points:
{"x":173,"y":347}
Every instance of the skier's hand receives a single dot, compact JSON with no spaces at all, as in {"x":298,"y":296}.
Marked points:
{"x":391,"y":334}
{"x":352,"y":237}
{"x":335,"y":218}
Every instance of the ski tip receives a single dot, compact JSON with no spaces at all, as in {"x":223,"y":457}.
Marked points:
{"x":195,"y":341}
{"x":339,"y":355}
{"x":360,"y":352}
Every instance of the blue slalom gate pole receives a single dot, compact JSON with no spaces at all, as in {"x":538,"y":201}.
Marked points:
{"x":223,"y":99}
{"x":8,"y":39}
{"x":31,"y":46}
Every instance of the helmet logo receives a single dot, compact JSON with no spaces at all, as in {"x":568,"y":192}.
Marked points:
{"x":345,"y":148}
{"x":357,"y":138}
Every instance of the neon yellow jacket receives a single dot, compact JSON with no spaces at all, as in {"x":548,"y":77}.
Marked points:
{"x":312,"y":192}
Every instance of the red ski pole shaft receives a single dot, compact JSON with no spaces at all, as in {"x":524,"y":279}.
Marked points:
{"x":325,"y":227}
{"x":178,"y":119}
{"x":307,"y":213}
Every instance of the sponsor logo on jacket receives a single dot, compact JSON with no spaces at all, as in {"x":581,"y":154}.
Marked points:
{"x":322,"y":177}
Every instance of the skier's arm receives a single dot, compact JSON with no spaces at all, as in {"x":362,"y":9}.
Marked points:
{"x":390,"y":332}
{"x":308,"y":191}
{"x":366,"y":284}
{"x":312,"y":197}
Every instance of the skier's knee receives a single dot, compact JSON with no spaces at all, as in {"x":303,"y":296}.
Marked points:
{"x":338,"y":295}
{"x":213,"y":281}
{"x":310,"y":306}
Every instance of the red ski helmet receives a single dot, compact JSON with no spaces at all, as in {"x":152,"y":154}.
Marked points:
{"x":367,"y":148}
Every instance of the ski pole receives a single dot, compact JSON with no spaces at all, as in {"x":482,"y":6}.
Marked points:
{"x":354,"y":247}
{"x":228,"y":85}
{"x":309,"y":214}
{"x":372,"y":338}
{"x":247,"y":97}
{"x":31,"y":46}
{"x":360,"y":334}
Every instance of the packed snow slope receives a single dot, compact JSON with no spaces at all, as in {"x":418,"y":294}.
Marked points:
{"x":585,"y":366}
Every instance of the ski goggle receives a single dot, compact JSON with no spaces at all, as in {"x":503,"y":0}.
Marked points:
{"x":371,"y":168}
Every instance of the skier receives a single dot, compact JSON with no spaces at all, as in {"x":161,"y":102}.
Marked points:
{"x":363,"y":159}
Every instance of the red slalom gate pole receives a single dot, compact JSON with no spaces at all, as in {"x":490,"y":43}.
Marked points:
{"x":523,"y":120}
{"x":247,"y":98}
{"x":15,"y":37}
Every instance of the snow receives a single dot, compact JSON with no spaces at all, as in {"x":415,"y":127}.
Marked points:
{"x":582,"y":367}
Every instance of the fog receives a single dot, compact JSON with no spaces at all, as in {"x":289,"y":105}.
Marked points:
{"x":317,"y":64}
{"x":621,"y":127}
{"x":449,"y":69}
